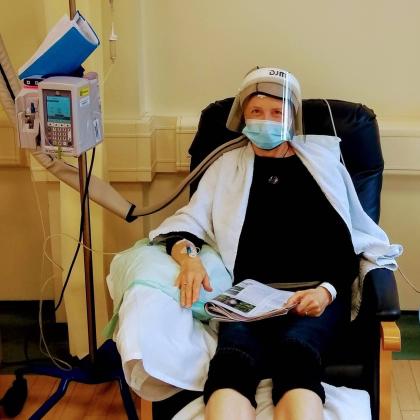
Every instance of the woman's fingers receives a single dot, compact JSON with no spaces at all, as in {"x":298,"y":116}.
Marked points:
{"x":207,"y":284}
{"x":309,"y":302}
{"x":196,"y":290}
{"x":187,"y":288}
{"x":189,"y":285}
{"x":294,"y":299}
{"x":191,"y":277}
{"x":305,"y":305}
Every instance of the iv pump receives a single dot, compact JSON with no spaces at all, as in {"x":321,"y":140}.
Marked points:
{"x":64,"y":110}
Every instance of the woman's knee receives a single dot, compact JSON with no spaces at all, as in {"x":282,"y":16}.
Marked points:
{"x":229,"y":404}
{"x":298,"y":365}
{"x":234,"y":369}
{"x":299,"y":404}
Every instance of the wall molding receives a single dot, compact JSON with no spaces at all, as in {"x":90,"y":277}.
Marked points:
{"x":400,"y":141}
{"x":10,"y":153}
{"x":136,"y":150}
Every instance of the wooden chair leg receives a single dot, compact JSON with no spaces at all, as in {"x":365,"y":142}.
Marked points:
{"x":146,"y":410}
{"x":390,"y":342}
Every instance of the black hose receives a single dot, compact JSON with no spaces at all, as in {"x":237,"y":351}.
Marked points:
{"x":6,"y":80}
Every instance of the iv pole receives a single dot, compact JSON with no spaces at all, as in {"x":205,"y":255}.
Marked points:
{"x":87,"y":242}
{"x":101,"y":365}
{"x":87,"y":253}
{"x":87,"y":259}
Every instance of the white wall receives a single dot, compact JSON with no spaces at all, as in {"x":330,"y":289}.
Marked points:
{"x":21,"y":234}
{"x":400,"y":217}
{"x":20,"y":226}
{"x":124,"y":94}
{"x":174,"y":57}
{"x":22,"y":28}
{"x":366,"y":51}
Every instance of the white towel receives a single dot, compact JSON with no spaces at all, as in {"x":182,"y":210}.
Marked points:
{"x":162,"y":347}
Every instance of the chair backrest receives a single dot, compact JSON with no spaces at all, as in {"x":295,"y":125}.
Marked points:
{"x":355,"y":124}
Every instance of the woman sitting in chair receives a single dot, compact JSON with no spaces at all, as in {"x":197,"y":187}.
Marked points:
{"x":279,"y":210}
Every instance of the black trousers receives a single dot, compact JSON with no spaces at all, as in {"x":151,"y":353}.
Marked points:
{"x":288,"y":349}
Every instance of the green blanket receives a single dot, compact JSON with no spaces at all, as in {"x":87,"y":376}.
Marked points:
{"x":149,"y":265}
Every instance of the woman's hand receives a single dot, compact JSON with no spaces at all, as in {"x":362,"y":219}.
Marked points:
{"x":310,"y":302}
{"x":191,"y":277}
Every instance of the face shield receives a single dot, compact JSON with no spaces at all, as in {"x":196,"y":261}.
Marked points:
{"x":275,"y":83}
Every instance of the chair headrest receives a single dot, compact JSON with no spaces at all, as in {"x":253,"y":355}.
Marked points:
{"x":357,"y":127}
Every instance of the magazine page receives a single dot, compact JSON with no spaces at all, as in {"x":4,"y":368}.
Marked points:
{"x":250,"y":299}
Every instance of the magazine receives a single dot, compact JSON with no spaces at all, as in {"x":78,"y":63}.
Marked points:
{"x":65,"y":48}
{"x":247,"y":301}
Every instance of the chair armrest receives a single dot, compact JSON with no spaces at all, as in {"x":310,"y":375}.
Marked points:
{"x":380,"y":295}
{"x":390,"y":336}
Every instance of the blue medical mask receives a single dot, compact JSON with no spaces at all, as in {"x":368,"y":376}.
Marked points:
{"x":266,"y":134}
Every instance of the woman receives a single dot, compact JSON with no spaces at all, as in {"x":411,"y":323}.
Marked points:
{"x":264,"y":208}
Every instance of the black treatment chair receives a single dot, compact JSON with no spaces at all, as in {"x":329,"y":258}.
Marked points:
{"x":362,"y":356}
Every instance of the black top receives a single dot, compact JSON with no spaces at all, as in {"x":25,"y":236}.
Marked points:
{"x":291,"y":232}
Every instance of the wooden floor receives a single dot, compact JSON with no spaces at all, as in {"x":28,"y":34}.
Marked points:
{"x":100,"y":402}
{"x":80,"y":402}
{"x":406,"y":390}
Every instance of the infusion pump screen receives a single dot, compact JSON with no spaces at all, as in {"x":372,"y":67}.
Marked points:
{"x":58,"y":130}
{"x":58,"y":109}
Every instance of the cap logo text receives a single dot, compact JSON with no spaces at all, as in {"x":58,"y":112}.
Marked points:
{"x":276,"y":73}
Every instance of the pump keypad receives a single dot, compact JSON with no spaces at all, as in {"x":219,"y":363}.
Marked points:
{"x":59,"y":134}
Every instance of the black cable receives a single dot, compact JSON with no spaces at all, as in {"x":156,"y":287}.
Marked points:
{"x":82,"y":218}
{"x":6,"y":80}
